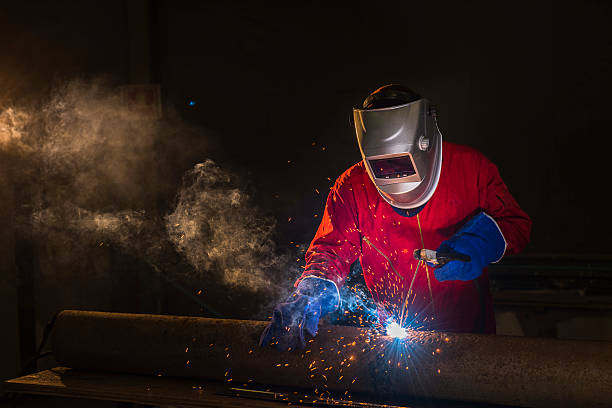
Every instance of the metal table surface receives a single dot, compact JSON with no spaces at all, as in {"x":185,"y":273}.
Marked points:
{"x":167,"y":391}
{"x":145,"y":390}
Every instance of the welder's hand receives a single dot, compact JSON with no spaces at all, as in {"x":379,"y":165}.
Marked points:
{"x":482,"y":240}
{"x":301,"y":312}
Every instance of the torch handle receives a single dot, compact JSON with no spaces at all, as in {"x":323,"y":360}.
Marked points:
{"x":445,"y":257}
{"x":439,"y":258}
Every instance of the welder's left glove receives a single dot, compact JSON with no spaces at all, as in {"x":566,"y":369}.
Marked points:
{"x":482,"y":240}
{"x":314,"y":298}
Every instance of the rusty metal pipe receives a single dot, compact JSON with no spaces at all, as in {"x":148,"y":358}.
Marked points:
{"x":530,"y":372}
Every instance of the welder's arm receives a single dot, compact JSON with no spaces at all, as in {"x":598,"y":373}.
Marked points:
{"x":337,"y":243}
{"x":495,"y":199}
{"x":313,"y":298}
{"x":328,"y":259}
{"x":501,"y":228}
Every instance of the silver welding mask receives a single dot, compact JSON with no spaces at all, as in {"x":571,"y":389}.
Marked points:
{"x":401,"y":147}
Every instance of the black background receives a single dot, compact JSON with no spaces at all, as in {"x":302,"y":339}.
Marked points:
{"x":273,"y":84}
{"x":527,"y":83}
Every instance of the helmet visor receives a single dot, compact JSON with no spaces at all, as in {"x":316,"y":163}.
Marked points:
{"x":392,"y":168}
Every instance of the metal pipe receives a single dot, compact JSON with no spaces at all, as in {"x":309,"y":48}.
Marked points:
{"x":530,"y":372}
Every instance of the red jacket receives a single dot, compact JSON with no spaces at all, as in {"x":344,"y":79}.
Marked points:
{"x":359,"y":224}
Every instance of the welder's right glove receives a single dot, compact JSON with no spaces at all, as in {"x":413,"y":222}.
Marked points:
{"x":314,"y":298}
{"x":480,"y":239}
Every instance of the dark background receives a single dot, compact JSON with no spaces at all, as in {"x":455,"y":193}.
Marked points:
{"x":526,"y":83}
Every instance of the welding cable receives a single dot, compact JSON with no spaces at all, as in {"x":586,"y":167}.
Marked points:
{"x":47,"y":331}
{"x":384,"y":256}
{"x":433,"y":306}
{"x":39,"y":352}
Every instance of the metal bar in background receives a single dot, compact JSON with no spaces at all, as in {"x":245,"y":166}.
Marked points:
{"x":553,"y":282}
{"x":13,"y":344}
{"x":519,"y":371}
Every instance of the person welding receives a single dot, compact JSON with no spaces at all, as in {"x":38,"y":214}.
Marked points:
{"x":411,"y":191}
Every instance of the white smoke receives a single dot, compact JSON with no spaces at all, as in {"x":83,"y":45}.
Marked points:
{"x":90,"y":166}
{"x":216,"y":227}
{"x":12,"y":129}
{"x":101,"y":149}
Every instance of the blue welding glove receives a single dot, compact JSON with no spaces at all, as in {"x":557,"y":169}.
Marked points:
{"x":314,"y":298}
{"x":482,"y":240}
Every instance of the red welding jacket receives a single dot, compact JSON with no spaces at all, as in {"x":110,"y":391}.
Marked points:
{"x":359,"y":224}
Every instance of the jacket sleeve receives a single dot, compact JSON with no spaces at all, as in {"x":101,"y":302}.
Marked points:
{"x":337,"y":243}
{"x":496,"y":200}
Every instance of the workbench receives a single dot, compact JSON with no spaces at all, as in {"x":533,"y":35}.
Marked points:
{"x":69,"y":387}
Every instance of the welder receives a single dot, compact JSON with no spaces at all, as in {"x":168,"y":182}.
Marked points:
{"x":410,"y":191}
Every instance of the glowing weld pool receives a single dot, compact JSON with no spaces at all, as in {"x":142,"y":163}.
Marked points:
{"x":396,"y":331}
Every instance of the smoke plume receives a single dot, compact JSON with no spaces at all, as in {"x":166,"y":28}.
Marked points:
{"x":87,"y":170}
{"x":217,"y":227}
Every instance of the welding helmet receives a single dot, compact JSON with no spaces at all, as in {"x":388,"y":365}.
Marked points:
{"x":400,"y":144}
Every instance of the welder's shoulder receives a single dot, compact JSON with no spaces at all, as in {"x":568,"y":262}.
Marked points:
{"x":354,"y":175}
{"x":462,"y":155}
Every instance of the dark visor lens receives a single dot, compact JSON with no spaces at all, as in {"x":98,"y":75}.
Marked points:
{"x":392,"y":168}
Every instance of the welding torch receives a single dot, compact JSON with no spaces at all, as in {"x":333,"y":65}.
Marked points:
{"x":438,"y":259}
